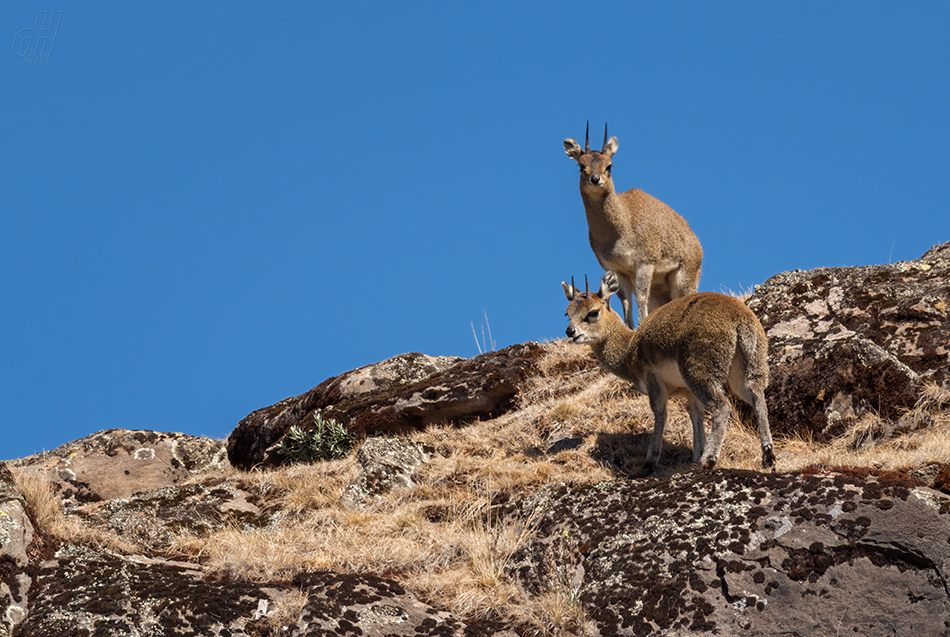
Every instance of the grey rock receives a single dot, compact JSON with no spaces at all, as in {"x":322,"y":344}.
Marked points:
{"x":844,"y":342}
{"x":731,"y":552}
{"x":16,"y":540}
{"x":386,"y":463}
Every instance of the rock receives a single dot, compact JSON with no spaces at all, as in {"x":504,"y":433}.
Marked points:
{"x":16,"y":543}
{"x":152,"y":519}
{"x":844,"y":342}
{"x":735,"y":552}
{"x":562,"y":440}
{"x":82,"y":591}
{"x":87,"y":592}
{"x":367,"y":605}
{"x":407,"y":393}
{"x":119,"y":462}
{"x":386,"y":463}
{"x":257,"y":432}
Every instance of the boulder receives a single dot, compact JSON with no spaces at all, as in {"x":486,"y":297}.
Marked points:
{"x":402,"y":394}
{"x":844,"y":342}
{"x":740,"y":552}
{"x":248,"y":444}
{"x":119,"y":462}
{"x":386,"y":463}
{"x":16,"y":545}
{"x":150,"y":520}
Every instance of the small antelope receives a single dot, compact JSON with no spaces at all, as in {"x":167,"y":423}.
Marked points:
{"x":697,"y":345}
{"x":652,"y":249}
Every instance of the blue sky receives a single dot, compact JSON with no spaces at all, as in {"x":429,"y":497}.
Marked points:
{"x":208,"y":207}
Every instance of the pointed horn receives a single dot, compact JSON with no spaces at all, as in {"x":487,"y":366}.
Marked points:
{"x":587,"y":138}
{"x":605,"y":136}
{"x":586,"y":285}
{"x":573,"y":289}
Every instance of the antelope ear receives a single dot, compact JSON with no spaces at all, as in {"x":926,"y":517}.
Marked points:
{"x":611,"y":147}
{"x":573,"y":149}
{"x":568,"y":291}
{"x":609,"y":285}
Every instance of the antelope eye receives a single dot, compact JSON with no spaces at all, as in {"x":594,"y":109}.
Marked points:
{"x":592,"y":316}
{"x":608,"y":169}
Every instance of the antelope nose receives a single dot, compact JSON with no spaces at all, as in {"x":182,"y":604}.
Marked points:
{"x":595,"y":179}
{"x":570,"y":331}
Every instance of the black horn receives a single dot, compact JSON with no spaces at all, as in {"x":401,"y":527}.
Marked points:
{"x":573,"y":289}
{"x":586,"y":286}
{"x":605,"y":136}
{"x":587,"y":138}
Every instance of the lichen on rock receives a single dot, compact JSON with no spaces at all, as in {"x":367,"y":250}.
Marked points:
{"x":850,"y":341}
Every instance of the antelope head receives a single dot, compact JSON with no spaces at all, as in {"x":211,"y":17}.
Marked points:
{"x":595,"y":165}
{"x":588,"y":311}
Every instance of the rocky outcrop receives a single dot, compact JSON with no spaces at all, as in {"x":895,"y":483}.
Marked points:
{"x":401,"y":394}
{"x":119,"y":462}
{"x":257,"y":432}
{"x":80,"y":591}
{"x":745,"y":553}
{"x":848,"y":341}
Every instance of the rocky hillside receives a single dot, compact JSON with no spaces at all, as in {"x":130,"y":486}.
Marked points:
{"x":499,"y":495}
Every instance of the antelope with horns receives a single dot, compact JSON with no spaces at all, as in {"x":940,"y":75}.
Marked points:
{"x":652,"y":249}
{"x":699,"y":346}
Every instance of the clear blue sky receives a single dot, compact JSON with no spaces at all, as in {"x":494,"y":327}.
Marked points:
{"x":208,"y":207}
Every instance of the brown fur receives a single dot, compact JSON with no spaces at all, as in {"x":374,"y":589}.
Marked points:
{"x":699,"y":346}
{"x":655,"y":254}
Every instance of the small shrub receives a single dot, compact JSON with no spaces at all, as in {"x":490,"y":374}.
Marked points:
{"x":326,"y":441}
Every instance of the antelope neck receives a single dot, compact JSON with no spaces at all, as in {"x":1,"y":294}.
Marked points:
{"x":605,"y":213}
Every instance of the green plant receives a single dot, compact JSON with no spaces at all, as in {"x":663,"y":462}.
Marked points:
{"x":326,"y":441}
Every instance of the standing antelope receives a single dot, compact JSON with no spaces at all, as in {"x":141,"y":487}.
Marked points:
{"x":652,"y":249}
{"x":697,"y":345}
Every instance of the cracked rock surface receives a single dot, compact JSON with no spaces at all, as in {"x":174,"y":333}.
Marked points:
{"x":745,"y":553}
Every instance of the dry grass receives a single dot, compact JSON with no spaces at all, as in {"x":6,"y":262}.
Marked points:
{"x":442,"y":539}
{"x":47,"y":512}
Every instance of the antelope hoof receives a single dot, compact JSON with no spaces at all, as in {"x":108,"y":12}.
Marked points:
{"x":649,"y":468}
{"x":708,"y":464}
{"x":768,"y":458}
